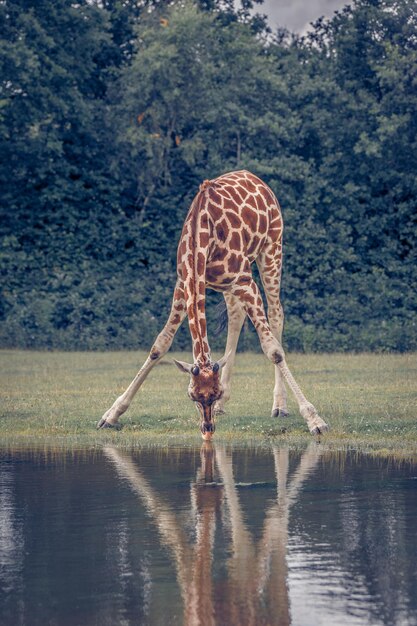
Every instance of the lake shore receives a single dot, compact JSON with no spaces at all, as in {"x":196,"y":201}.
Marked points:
{"x":55,"y":399}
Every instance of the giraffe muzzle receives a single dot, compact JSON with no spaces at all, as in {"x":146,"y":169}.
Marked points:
{"x":207,"y":430}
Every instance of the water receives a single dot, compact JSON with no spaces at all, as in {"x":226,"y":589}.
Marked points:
{"x":207,"y":536}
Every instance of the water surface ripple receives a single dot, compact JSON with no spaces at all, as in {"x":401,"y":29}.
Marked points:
{"x":210,"y":535}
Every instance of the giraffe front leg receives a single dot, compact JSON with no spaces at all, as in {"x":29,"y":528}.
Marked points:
{"x":122,"y":403}
{"x":159,"y":349}
{"x":251,"y":298}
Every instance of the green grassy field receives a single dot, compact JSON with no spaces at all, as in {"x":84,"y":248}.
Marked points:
{"x":369,"y":400}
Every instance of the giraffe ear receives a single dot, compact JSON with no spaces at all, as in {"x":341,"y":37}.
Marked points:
{"x":183,"y":366}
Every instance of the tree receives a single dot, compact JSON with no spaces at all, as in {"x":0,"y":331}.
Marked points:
{"x":111,"y":115}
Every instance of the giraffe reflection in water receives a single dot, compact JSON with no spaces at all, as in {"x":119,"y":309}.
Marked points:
{"x":255,"y":590}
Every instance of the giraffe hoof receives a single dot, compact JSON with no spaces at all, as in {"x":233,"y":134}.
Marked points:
{"x":105,"y":424}
{"x":319,"y":430}
{"x":279,"y":413}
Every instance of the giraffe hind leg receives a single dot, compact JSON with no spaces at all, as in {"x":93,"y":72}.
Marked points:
{"x":269,"y":266}
{"x":235,"y":317}
{"x":251,"y":299}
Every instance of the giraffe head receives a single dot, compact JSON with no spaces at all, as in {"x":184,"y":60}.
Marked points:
{"x":204,"y":389}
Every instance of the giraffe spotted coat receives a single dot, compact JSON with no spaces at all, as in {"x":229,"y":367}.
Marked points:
{"x":234,"y":221}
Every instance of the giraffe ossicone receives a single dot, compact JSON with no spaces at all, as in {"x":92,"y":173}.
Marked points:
{"x":234,"y":221}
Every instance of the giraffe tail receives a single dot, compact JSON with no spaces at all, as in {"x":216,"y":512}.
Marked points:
{"x":221,"y":318}
{"x":206,"y":184}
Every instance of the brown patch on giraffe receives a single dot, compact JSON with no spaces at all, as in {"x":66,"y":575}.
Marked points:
{"x":222,"y":230}
{"x":202,"y":287}
{"x":180,"y":270}
{"x":193,"y":328}
{"x":204,"y":239}
{"x":263,"y":224}
{"x":233,"y":194}
{"x":276,"y":222}
{"x":190,"y":289}
{"x":251,"y":201}
{"x":244,"y":295}
{"x":205,"y":347}
{"x":267,"y":194}
{"x":234,"y":219}
{"x":216,"y":213}
{"x":266,"y":262}
{"x":234,"y":263}
{"x":154,"y":354}
{"x":250,"y":218}
{"x":176,"y":319}
{"x":180,"y":257}
{"x":274,"y":251}
{"x":277,"y":357}
{"x":203,"y":327}
{"x":201,"y":262}
{"x":229,"y":204}
{"x":204,"y":223}
{"x":214,"y":196}
{"x":239,"y":293}
{"x":213,"y":271}
{"x":228,"y":281}
{"x":218,"y":254}
{"x":182,"y":248}
{"x":250,"y":185}
{"x":202,"y":201}
{"x":197,"y":347}
{"x":178,"y":295}
{"x":253,"y":245}
{"x":246,"y":236}
{"x":274,"y":233}
{"x":201,"y":306}
{"x":243,"y":193}
{"x":223,"y":192}
{"x":235,"y":241}
{"x":245,"y":279}
{"x":260,"y":203}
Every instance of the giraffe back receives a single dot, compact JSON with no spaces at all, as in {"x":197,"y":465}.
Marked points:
{"x":232,"y":220}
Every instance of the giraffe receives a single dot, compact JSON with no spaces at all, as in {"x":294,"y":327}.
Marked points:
{"x":234,"y":221}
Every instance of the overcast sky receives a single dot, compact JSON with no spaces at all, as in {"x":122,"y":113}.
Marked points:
{"x":296,"y":15}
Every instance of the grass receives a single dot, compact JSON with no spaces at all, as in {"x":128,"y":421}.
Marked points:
{"x":369,"y":400}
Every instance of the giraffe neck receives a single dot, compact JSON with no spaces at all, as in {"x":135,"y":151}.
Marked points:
{"x":195,"y":283}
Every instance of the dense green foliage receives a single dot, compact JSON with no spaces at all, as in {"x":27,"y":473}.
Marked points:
{"x":112,"y":113}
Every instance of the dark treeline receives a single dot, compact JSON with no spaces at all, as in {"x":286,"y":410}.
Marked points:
{"x":113,"y":112}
